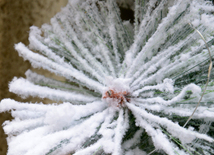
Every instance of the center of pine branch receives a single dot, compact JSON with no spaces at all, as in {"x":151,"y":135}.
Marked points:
{"x":116,"y":98}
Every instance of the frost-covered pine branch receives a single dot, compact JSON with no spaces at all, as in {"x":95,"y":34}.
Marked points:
{"x":129,"y":88}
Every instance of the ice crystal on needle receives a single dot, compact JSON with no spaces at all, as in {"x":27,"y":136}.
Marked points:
{"x":129,"y":88}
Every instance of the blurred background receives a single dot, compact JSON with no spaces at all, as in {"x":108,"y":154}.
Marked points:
{"x":16,"y":16}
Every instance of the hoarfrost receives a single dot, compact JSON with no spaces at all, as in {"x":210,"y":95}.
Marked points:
{"x":128,"y":88}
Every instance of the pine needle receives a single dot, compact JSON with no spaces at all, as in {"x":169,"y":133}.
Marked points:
{"x":208,"y":76}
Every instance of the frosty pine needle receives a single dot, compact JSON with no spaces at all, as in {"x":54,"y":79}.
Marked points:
{"x":129,"y":87}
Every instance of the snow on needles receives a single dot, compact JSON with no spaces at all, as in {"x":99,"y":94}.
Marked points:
{"x":129,"y":87}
